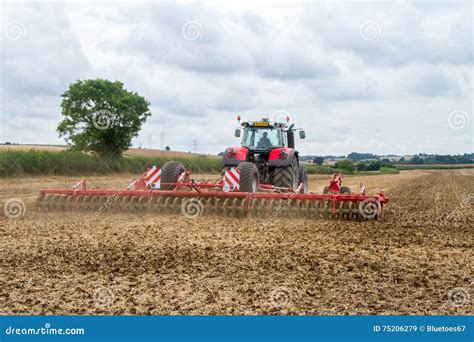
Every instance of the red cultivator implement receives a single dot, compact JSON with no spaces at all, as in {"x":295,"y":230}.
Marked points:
{"x":235,"y":193}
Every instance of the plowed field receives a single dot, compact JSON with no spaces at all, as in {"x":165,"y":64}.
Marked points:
{"x":417,"y":260}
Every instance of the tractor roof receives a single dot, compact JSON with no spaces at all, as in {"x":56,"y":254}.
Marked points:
{"x":264,"y":122}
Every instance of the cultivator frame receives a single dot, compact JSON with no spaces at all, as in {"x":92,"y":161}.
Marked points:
{"x":220,"y":197}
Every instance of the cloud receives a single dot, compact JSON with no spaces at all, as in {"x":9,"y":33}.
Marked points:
{"x":435,"y":83}
{"x":379,"y":77}
{"x":394,"y":33}
{"x":47,"y":57}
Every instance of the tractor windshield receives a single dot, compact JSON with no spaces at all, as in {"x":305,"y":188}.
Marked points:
{"x":262,"y":138}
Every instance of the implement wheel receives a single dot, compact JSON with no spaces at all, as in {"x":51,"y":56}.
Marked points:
{"x":170,"y":173}
{"x":345,"y":190}
{"x":248,"y":177}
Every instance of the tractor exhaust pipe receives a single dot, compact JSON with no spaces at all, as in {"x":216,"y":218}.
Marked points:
{"x":291,"y":138}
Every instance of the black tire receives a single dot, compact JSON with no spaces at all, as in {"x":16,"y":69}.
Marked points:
{"x":303,"y":178}
{"x":248,"y":177}
{"x":170,"y":173}
{"x":345,"y":190}
{"x":286,"y":176}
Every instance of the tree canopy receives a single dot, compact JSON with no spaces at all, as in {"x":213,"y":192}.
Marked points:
{"x":346,"y":164}
{"x":356,"y":156}
{"x":318,"y":160}
{"x":101,"y":116}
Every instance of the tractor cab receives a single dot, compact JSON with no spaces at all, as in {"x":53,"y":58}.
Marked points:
{"x":269,"y":149}
{"x":263,"y":135}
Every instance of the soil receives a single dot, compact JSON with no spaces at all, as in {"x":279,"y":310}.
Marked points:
{"x":417,"y":260}
{"x":146,"y":152}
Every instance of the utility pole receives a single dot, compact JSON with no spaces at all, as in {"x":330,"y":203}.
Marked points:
{"x":195,"y":146}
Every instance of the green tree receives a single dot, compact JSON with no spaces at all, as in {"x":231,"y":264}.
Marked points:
{"x":356,"y":156}
{"x":346,"y":164}
{"x":362,"y":166}
{"x":101,"y":116}
{"x":318,"y":160}
{"x":373,"y":166}
{"x":417,"y":160}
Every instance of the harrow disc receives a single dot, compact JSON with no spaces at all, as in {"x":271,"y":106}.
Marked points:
{"x":240,"y":206}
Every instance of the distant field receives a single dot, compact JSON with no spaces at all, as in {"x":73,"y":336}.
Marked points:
{"x":160,"y":153}
{"x":21,"y":160}
{"x":54,"y":148}
{"x":433,"y":166}
{"x":130,"y":152}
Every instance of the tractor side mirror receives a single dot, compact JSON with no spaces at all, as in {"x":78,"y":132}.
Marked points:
{"x":237,"y":133}
{"x":302,"y":134}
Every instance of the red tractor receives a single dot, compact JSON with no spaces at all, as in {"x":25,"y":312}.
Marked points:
{"x":263,"y":176}
{"x":267,"y":155}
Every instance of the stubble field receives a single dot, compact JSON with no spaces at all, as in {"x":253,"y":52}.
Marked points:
{"x":417,"y":260}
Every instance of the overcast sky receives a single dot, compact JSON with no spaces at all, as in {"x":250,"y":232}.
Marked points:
{"x":391,"y":77}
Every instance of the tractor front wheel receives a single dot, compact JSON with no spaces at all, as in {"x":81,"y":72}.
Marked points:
{"x":248,"y":177}
{"x":170,"y":173}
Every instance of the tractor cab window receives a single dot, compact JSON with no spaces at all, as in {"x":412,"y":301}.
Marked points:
{"x":262,"y":138}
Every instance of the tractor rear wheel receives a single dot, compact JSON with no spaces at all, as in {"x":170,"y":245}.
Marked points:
{"x":286,"y":176}
{"x":303,"y":178}
{"x":248,"y":177}
{"x":170,"y":173}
